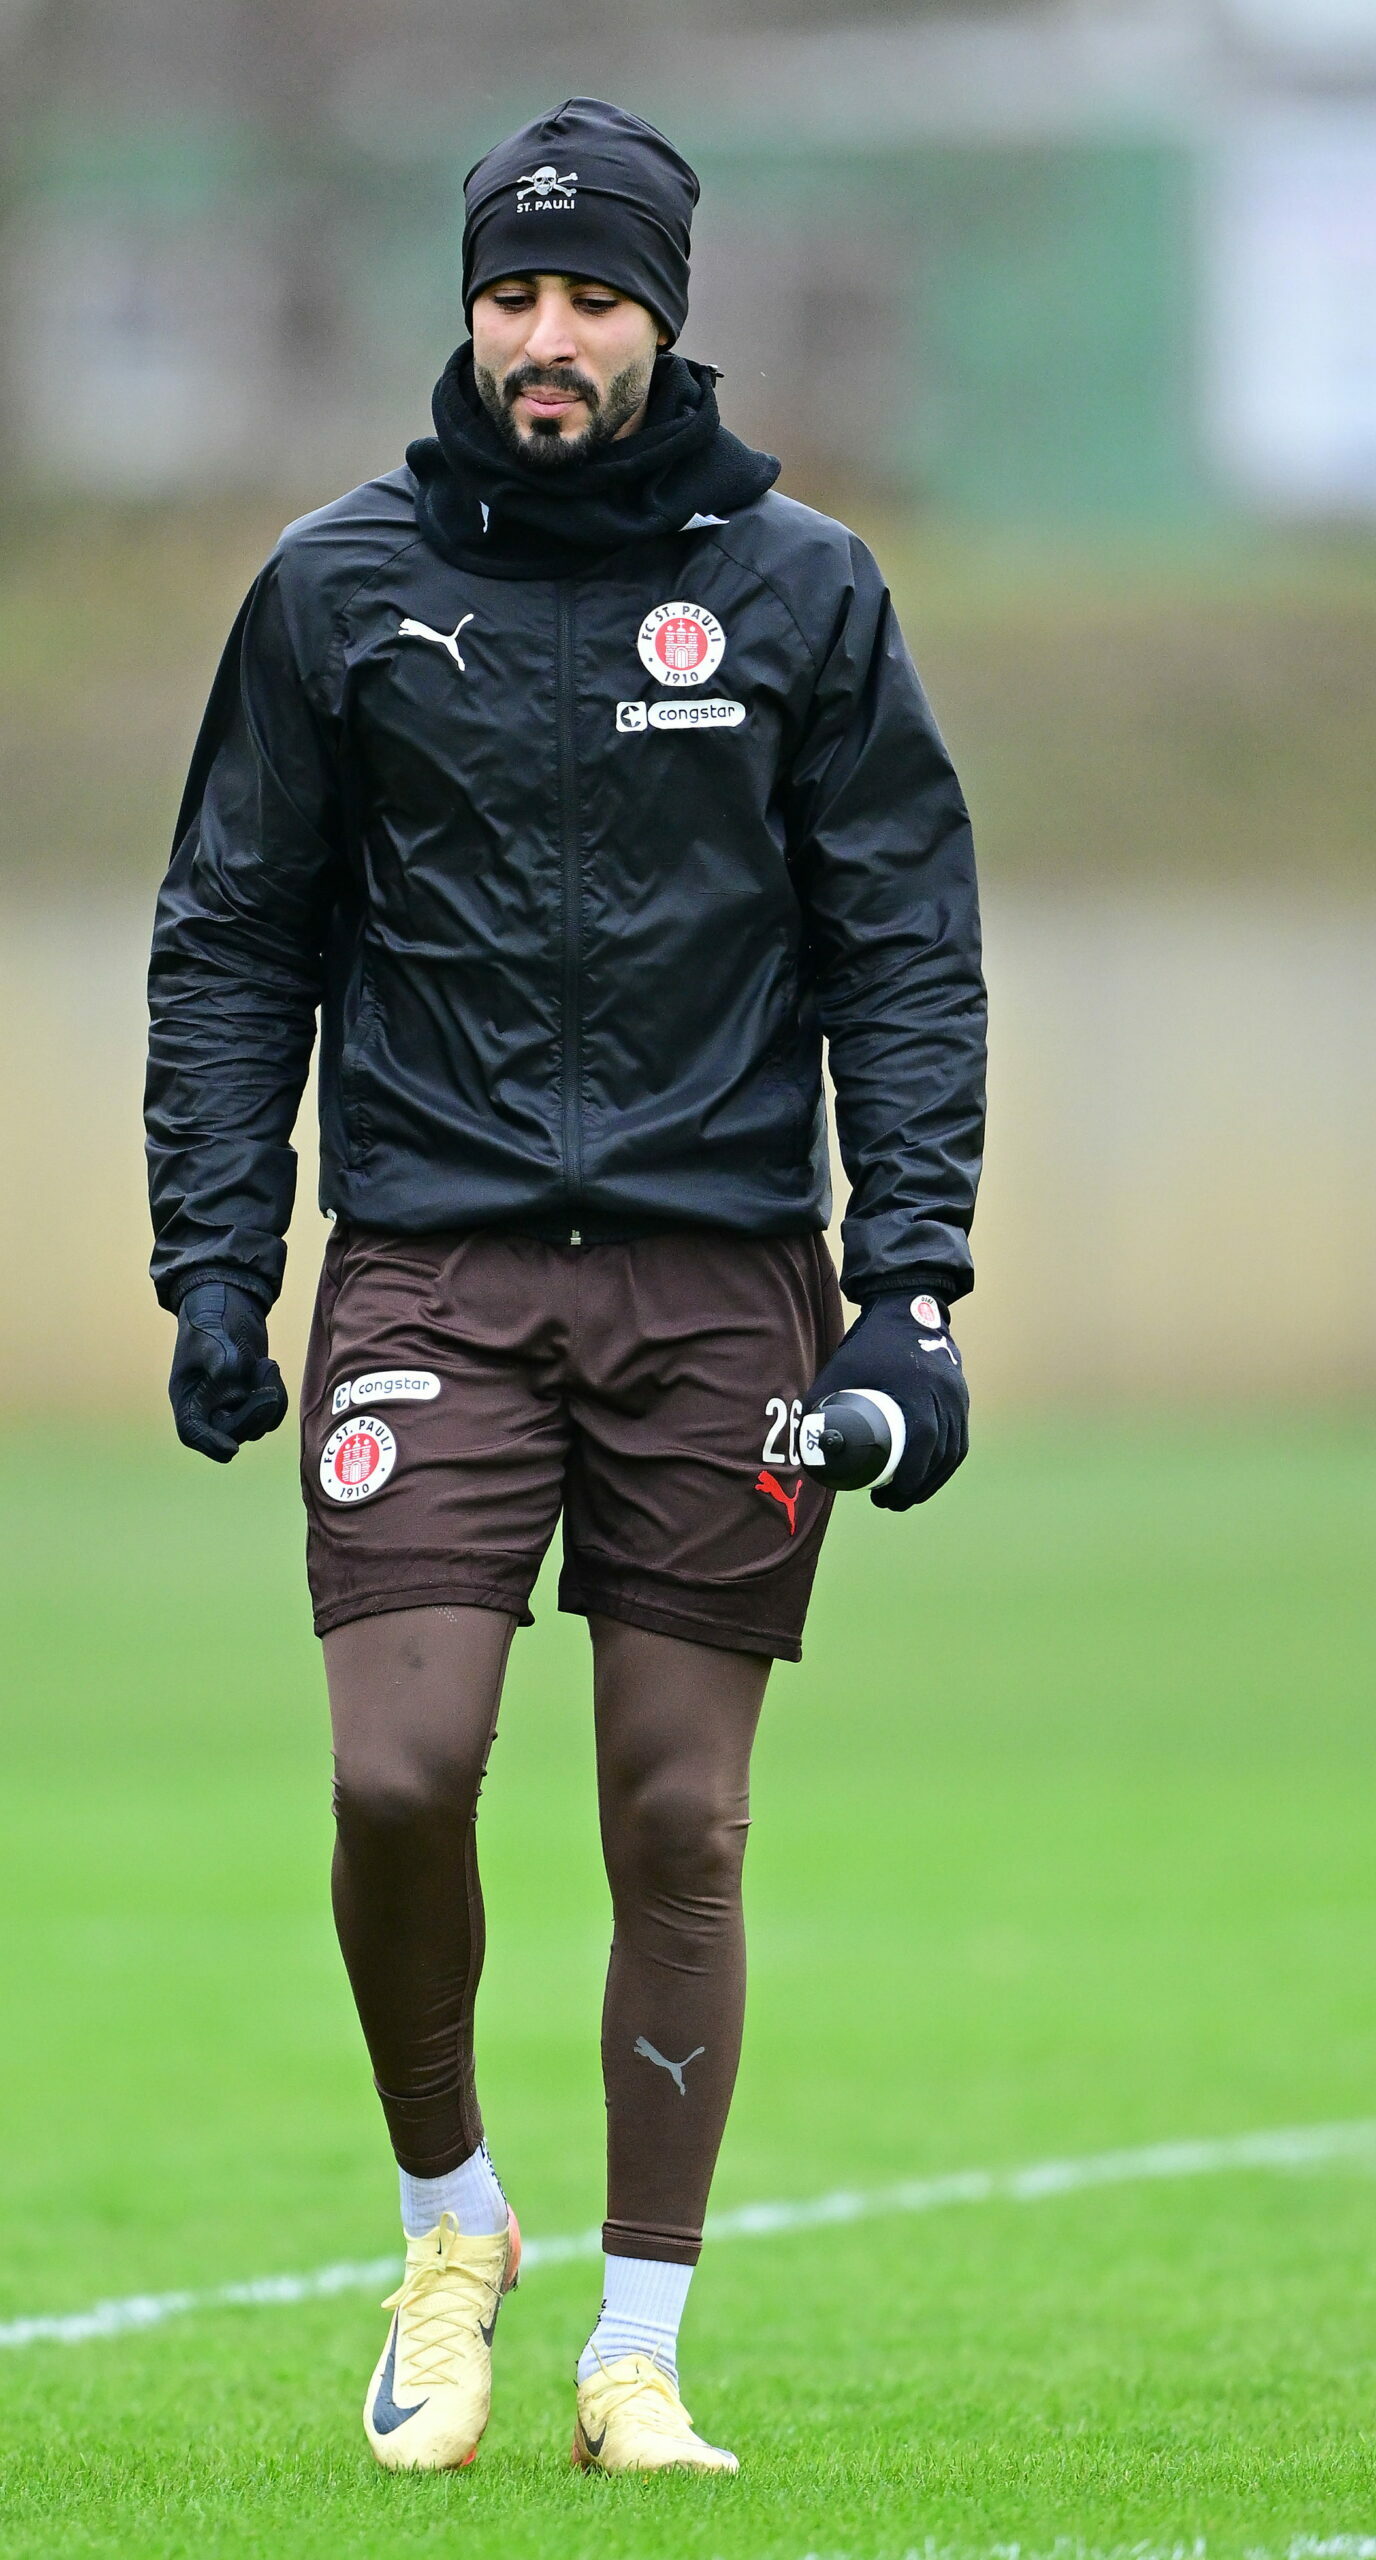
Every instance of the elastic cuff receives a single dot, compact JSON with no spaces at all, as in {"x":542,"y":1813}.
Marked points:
{"x":452,"y":2157}
{"x":423,"y":2147}
{"x":912,"y":1284}
{"x":636,"y":2240}
{"x":171,"y":1292}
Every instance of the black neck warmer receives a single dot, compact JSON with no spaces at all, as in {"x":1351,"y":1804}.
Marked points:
{"x":483,"y":508}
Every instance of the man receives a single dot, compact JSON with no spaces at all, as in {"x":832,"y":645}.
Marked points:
{"x":584,"y":785}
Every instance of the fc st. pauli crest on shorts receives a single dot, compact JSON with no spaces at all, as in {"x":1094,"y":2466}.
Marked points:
{"x":357,"y":1459}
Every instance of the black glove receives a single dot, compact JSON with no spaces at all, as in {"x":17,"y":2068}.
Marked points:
{"x":224,"y":1388}
{"x":901,"y":1344}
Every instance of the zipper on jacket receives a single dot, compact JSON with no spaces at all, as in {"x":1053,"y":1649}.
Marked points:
{"x":571,"y":858}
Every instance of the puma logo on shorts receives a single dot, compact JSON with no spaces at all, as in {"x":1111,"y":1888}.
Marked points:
{"x":767,"y":1483}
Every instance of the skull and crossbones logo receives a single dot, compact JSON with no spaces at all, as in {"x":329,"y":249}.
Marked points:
{"x":546,"y":181}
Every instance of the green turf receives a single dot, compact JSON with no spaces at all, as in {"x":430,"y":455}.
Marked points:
{"x":1063,"y":1842}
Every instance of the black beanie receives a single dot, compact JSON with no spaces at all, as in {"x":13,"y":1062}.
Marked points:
{"x":586,"y":191}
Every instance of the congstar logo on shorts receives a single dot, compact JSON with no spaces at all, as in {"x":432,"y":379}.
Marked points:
{"x":386,"y":1386}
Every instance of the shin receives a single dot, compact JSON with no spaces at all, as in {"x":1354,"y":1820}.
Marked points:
{"x":413,"y":1704}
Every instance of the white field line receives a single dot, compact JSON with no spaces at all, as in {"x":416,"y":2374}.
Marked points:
{"x":1294,"y":2147}
{"x":1303,"y":2546}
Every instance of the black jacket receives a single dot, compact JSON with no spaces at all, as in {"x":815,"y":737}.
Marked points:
{"x":575,"y":926}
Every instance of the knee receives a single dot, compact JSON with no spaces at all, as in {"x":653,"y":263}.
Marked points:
{"x":402,"y":1792}
{"x":675,"y":1832}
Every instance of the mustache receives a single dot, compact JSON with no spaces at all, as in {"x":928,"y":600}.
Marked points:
{"x":550,"y":377}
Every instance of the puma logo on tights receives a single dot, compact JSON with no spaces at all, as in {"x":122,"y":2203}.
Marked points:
{"x":675,"y":2069}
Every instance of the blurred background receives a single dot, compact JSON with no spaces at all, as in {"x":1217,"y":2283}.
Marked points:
{"x":1064,"y":1839}
{"x":1070,"y":305}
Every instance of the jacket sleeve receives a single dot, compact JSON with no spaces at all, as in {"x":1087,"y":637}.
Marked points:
{"x":880,"y":838}
{"x":235,"y":977}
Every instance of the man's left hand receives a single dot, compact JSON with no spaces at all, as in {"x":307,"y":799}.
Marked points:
{"x":901,"y":1344}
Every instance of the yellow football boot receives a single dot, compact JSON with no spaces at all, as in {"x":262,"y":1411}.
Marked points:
{"x":429,"y":2398}
{"x":630,"y":2418}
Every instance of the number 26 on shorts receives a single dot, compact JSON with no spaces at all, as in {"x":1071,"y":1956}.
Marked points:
{"x":781,"y":1439}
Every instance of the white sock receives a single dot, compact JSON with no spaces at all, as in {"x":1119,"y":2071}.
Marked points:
{"x":472,"y":2193}
{"x":642,"y":2305}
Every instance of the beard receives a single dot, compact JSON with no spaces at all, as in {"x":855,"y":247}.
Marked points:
{"x":543,"y":444}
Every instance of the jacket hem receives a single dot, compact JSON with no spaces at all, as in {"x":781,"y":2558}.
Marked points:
{"x":592,"y":1229}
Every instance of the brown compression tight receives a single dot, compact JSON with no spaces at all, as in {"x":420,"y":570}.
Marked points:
{"x":413,"y":1701}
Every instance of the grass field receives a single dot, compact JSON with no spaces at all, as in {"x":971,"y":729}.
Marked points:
{"x":1064,"y":1842}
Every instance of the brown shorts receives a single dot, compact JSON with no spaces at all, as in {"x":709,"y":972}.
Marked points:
{"x":460,"y":1392}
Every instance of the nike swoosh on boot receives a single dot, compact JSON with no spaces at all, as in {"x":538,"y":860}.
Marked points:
{"x":387,"y":2415}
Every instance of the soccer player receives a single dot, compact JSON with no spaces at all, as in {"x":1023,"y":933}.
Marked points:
{"x":583,"y":785}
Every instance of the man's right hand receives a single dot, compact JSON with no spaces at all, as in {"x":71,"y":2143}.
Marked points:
{"x":224,"y":1388}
